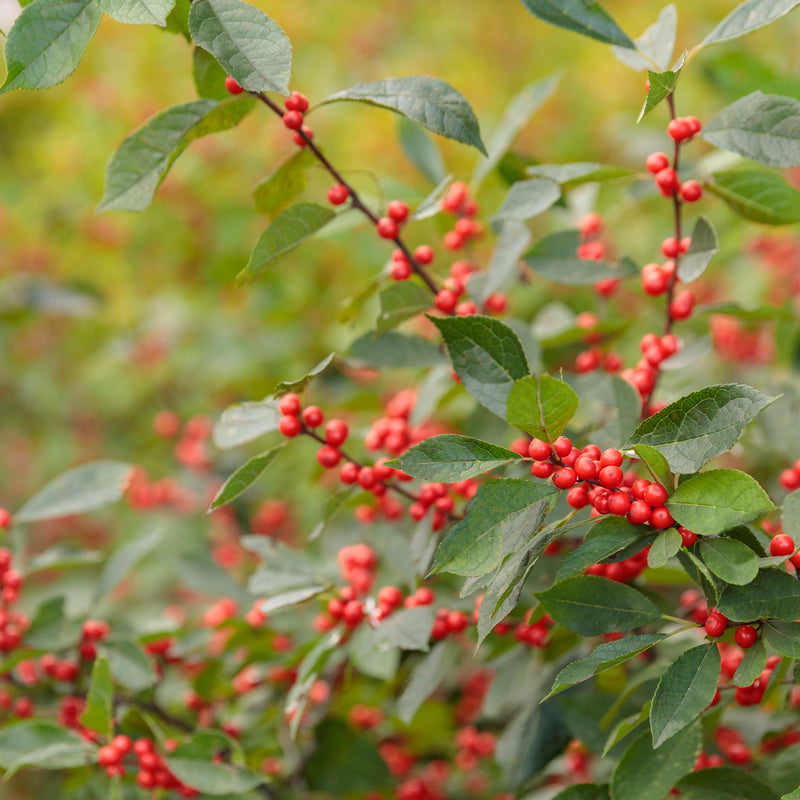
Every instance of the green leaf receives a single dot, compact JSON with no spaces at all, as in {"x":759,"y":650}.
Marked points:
{"x":249,"y":46}
{"x":516,"y":115}
{"x":129,"y":665}
{"x":178,"y":20}
{"x":429,"y":102}
{"x":591,"y":605}
{"x":47,"y":41}
{"x":138,"y":12}
{"x":46,"y":745}
{"x":244,"y":422}
{"x":662,"y":84}
{"x":730,"y":560}
{"x":100,"y":698}
{"x":289,"y":229}
{"x":527,"y":199}
{"x":608,"y":536}
{"x":790,"y":515}
{"x":487,"y":356}
{"x":702,"y":249}
{"x":578,"y":172}
{"x":541,"y":406}
{"x":300,"y":384}
{"x":426,"y":676}
{"x":664,"y":548}
{"x":211,"y":778}
{"x":50,"y":629}
{"x":344,"y":762}
{"x":656,"y":465}
{"x":209,"y":77}
{"x":586,"y":17}
{"x":656,"y":45}
{"x":421,"y":150}
{"x":752,"y":665}
{"x":291,"y":598}
{"x":143,"y":160}
{"x":711,"y":502}
{"x":244,"y":477}
{"x":452,"y":457}
{"x":394,"y":349}
{"x":758,"y":196}
{"x":501,"y":508}
{"x":701,"y":425}
{"x":199,"y":572}
{"x":763,"y":127}
{"x":535,"y":735}
{"x":685,"y":689}
{"x":81,"y":489}
{"x":783,"y":637}
{"x":269,"y":581}
{"x":584,"y":791}
{"x":782,"y":773}
{"x":513,"y":239}
{"x":555,"y":258}
{"x":603,"y":657}
{"x":408,"y":629}
{"x":400,"y":302}
{"x":723,"y":783}
{"x":644,"y":773}
{"x":746,"y":17}
{"x":123,"y":560}
{"x":772,"y":593}
{"x":273,"y":194}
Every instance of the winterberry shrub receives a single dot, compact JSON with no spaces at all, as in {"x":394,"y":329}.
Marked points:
{"x":550,"y":561}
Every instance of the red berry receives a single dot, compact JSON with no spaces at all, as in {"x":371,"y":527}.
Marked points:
{"x":296,"y":102}
{"x":671,"y":247}
{"x":293,"y":120}
{"x":232,"y":86}
{"x":400,"y":270}
{"x":661,"y":518}
{"x":446,"y":301}
{"x":456,"y":195}
{"x":578,"y":496}
{"x":307,"y":133}
{"x":679,"y":129}
{"x":290,"y":426}
{"x":619,"y":503}
{"x":610,"y":477}
{"x":366,"y":477}
{"x":397,"y":210}
{"x":746,"y":636}
{"x":5,"y":519}
{"x":655,"y":281}
{"x":289,"y":405}
{"x":565,"y":478}
{"x":328,"y":456}
{"x":611,"y":458}
{"x":655,"y":495}
{"x":336,"y":432}
{"x":688,"y":537}
{"x":107,"y":756}
{"x":716,"y":624}
{"x":423,"y":254}
{"x":562,"y":446}
{"x":542,"y":469}
{"x":656,"y":162}
{"x":387,"y":228}
{"x":585,"y":468}
{"x":349,"y":472}
{"x":682,"y":305}
{"x":691,"y":191}
{"x":639,"y":512}
{"x":587,"y":361}
{"x":313,"y":416}
{"x":338,"y":194}
{"x":539,"y":450}
{"x":781,"y":545}
{"x":666,"y":180}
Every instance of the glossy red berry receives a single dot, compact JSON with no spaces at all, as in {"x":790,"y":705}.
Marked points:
{"x":348,"y":473}
{"x":296,"y":102}
{"x":562,"y":446}
{"x":424,"y":254}
{"x":397,"y":210}
{"x":338,"y":194}
{"x":289,"y":405}
{"x":781,"y":545}
{"x":290,"y":426}
{"x":313,"y":416}
{"x":578,"y":496}
{"x":691,"y":191}
{"x":293,"y":120}
{"x":564,"y":478}
{"x":5,"y":519}
{"x":387,"y":228}
{"x":745,"y":636}
{"x":446,"y":301}
{"x":232,"y":86}
{"x":619,"y":503}
{"x":661,"y":518}
{"x":400,"y":270}
{"x":328,"y":456}
{"x":585,"y":468}
{"x":667,"y":180}
{"x":610,"y":477}
{"x":716,"y":624}
{"x":539,"y":450}
{"x":681,"y":306}
{"x":656,"y":162}
{"x":679,"y":129}
{"x":299,"y":140}
{"x":670,"y":247}
{"x":611,"y":458}
{"x":542,"y":469}
{"x":639,"y":512}
{"x":688,"y":537}
{"x":336,"y":432}
{"x":655,"y":281}
{"x":655,"y":495}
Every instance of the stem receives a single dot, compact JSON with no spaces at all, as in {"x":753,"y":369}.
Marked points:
{"x":355,"y":200}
